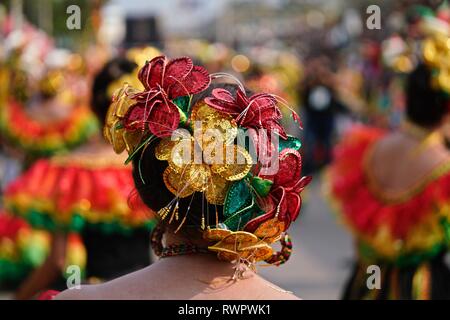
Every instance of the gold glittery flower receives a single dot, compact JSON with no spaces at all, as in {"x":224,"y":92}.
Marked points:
{"x":242,"y":245}
{"x":120,"y":138}
{"x":206,"y":161}
{"x":255,"y":246}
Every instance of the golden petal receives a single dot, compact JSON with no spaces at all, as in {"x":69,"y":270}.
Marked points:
{"x":182,"y":155}
{"x":227,"y":251}
{"x":212,"y":122}
{"x":270,"y":230}
{"x":259,"y":252}
{"x":176,"y":184}
{"x":215,"y":234}
{"x":201,"y":111}
{"x":117,"y":139}
{"x":132,"y":139}
{"x":107,"y":133}
{"x":227,"y":255}
{"x":164,"y":149}
{"x":217,"y":189}
{"x":122,"y":100}
{"x":111,"y":115}
{"x":236,"y":165}
{"x":231,"y":251}
{"x":198,"y":176}
{"x":238,"y":237}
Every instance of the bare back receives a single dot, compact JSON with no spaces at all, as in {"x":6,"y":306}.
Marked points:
{"x":399,"y":162}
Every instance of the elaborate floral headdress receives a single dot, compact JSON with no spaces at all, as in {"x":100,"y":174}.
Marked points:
{"x":403,"y":55}
{"x":436,"y":46}
{"x":257,"y":183}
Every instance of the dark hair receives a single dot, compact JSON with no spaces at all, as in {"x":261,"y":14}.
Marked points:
{"x":425,"y":105}
{"x":111,"y":72}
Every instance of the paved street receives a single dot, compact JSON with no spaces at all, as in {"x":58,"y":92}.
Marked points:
{"x":322,"y":254}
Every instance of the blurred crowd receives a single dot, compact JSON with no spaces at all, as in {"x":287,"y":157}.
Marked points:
{"x":322,"y":60}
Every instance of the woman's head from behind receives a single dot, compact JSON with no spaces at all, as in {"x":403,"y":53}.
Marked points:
{"x":191,"y":145}
{"x":426,"y":105}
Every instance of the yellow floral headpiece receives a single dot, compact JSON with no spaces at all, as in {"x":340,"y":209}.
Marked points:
{"x":436,"y":54}
{"x":436,"y":49}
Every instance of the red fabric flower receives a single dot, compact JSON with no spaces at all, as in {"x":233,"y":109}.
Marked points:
{"x":164,"y":80}
{"x":284,"y":198}
{"x":259,"y":111}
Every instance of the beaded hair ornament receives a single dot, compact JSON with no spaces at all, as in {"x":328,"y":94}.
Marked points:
{"x":258,"y":182}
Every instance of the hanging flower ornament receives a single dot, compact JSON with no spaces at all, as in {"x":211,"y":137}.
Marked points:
{"x":201,"y":146}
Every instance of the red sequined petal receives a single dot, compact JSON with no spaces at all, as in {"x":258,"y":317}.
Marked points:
{"x":241,"y":99}
{"x":274,"y":126}
{"x":224,"y":95}
{"x":297,"y":119}
{"x":294,"y":204}
{"x":196,"y":81}
{"x":263,"y":101}
{"x":302,"y":183}
{"x":151,"y":74}
{"x":221,"y":105}
{"x":177,"y":70}
{"x":290,"y":168}
{"x":164,"y":119}
{"x":137,"y":115}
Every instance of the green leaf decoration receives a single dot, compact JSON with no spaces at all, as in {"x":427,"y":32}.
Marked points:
{"x":183,"y":116}
{"x":240,"y":206}
{"x":183,"y":103}
{"x":290,"y":143}
{"x":261,"y":186}
{"x":143,"y":143}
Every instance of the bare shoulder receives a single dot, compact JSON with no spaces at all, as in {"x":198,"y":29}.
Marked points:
{"x":85,"y":292}
{"x":129,"y":286}
{"x":253,"y":287}
{"x":271,"y":291}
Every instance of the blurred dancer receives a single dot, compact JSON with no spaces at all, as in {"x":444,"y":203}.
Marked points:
{"x":21,"y":250}
{"x":39,"y":113}
{"x":88,"y":191}
{"x":393,"y":191}
{"x":320,"y":104}
{"x":39,"y":117}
